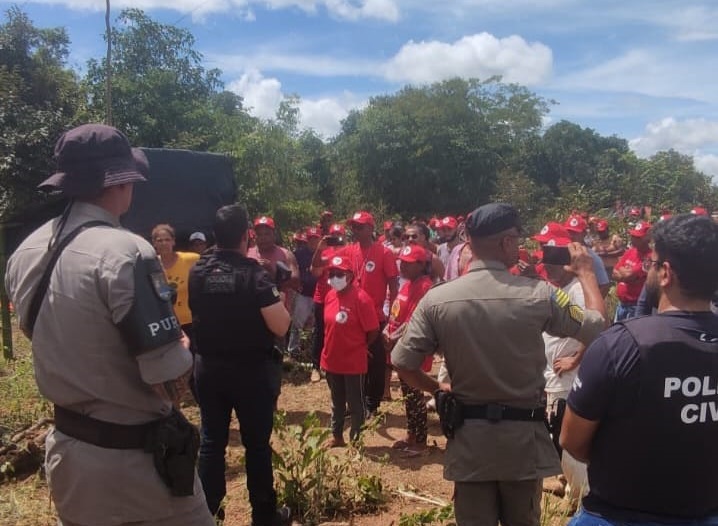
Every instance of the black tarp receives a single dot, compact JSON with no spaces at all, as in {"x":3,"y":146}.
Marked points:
{"x":185,"y":189}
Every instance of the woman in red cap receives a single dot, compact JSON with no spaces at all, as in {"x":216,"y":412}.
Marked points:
{"x":350,"y":326}
{"x":413,"y":266}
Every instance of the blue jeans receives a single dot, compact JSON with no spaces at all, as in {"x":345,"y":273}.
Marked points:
{"x":223,"y":386}
{"x":586,"y":518}
{"x":623,"y":312}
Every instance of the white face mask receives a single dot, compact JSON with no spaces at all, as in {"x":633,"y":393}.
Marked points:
{"x":338,"y":283}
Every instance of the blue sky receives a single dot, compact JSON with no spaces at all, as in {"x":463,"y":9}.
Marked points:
{"x":644,"y":70}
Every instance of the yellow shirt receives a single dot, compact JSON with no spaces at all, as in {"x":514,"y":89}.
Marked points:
{"x":177,"y":277}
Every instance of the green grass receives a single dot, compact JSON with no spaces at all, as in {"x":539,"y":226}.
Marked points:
{"x":21,"y":404}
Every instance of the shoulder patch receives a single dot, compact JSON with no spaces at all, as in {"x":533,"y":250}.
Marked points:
{"x":560,"y":298}
{"x":576,"y":313}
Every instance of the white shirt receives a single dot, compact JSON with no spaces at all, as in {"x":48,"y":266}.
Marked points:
{"x":560,"y":347}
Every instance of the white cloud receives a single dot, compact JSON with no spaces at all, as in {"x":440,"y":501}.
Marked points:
{"x":263,"y":95}
{"x":685,"y":136}
{"x":708,"y":164}
{"x":324,"y":115}
{"x":481,"y":55}
{"x":695,"y":137}
{"x":657,"y":73}
{"x":345,"y":9}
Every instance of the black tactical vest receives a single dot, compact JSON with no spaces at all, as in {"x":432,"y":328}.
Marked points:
{"x":660,"y":459}
{"x":226,"y":318}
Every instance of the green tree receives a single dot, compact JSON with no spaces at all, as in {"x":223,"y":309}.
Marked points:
{"x":438,"y":147}
{"x":160,"y":89}
{"x":39,"y":98}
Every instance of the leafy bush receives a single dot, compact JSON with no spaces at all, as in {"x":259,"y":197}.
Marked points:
{"x":317,"y":484}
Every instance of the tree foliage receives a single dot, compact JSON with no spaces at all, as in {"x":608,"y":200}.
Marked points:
{"x":39,"y":98}
{"x":440,"y":148}
{"x":160,"y":89}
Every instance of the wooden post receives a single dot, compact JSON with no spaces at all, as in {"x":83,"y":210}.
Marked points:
{"x":5,"y":301}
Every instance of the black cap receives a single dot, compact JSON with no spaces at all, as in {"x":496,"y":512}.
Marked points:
{"x":491,"y":219}
{"x":92,"y":157}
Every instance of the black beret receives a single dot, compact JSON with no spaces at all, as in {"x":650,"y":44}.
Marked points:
{"x":491,"y":219}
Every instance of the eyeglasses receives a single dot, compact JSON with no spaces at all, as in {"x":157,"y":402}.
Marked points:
{"x":411,"y":236}
{"x":648,"y":263}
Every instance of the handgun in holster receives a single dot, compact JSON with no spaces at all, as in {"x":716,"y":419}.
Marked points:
{"x":174,"y":444}
{"x":450,"y":411}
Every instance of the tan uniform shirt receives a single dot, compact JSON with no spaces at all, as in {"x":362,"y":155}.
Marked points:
{"x":82,"y":363}
{"x":488,"y":325}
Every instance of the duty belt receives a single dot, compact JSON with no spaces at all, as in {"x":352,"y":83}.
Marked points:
{"x":101,"y":433}
{"x":497,"y":412}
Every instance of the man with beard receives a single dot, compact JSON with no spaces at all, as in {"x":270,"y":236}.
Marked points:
{"x":447,"y":230}
{"x":643,"y":410}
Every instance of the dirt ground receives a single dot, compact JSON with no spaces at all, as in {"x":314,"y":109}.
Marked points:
{"x":27,"y":503}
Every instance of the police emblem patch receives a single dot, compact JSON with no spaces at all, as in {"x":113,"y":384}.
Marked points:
{"x":160,"y":285}
{"x":341,"y":317}
{"x":370,"y":266}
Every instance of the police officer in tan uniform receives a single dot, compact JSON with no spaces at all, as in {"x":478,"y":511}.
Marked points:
{"x":488,"y":324}
{"x":108,"y":352}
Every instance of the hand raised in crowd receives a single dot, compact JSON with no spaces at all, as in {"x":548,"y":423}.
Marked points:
{"x":581,"y":260}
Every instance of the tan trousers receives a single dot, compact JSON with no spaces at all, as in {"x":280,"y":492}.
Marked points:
{"x":198,"y":516}
{"x":513,"y":503}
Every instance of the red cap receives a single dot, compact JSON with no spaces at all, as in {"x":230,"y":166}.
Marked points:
{"x":361,"y":218}
{"x":337,"y":229}
{"x":575,"y":223}
{"x":340,"y":262}
{"x":634,"y":212}
{"x":699,"y":211}
{"x":448,"y":222}
{"x":313,"y":231}
{"x":413,"y":253}
{"x":264,"y":221}
{"x":551,"y":230}
{"x":387,"y":224}
{"x":641,"y":229}
{"x":601,"y":225}
{"x":299,"y":236}
{"x":664,"y":216}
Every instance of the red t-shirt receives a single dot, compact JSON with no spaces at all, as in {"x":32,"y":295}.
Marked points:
{"x":633,"y":259}
{"x":373,"y":268}
{"x":406,"y":301}
{"x":322,"y":286}
{"x":348,"y":317}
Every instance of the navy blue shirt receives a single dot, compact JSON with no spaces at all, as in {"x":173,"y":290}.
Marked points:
{"x":304,"y":261}
{"x":649,"y":415}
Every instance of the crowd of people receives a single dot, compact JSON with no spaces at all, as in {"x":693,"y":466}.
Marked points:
{"x":535,"y":380}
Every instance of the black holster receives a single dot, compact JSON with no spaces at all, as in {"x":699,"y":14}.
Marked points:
{"x":174,"y":444}
{"x":450,"y":411}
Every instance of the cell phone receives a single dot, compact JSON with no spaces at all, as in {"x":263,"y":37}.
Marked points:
{"x":333,"y":241}
{"x":556,"y":255}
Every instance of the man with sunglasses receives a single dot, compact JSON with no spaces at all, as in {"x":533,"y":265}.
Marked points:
{"x":489,"y":324}
{"x":643,"y":411}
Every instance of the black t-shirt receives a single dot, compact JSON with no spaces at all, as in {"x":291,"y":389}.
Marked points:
{"x":304,"y":257}
{"x":226,"y":294}
{"x":652,"y":453}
